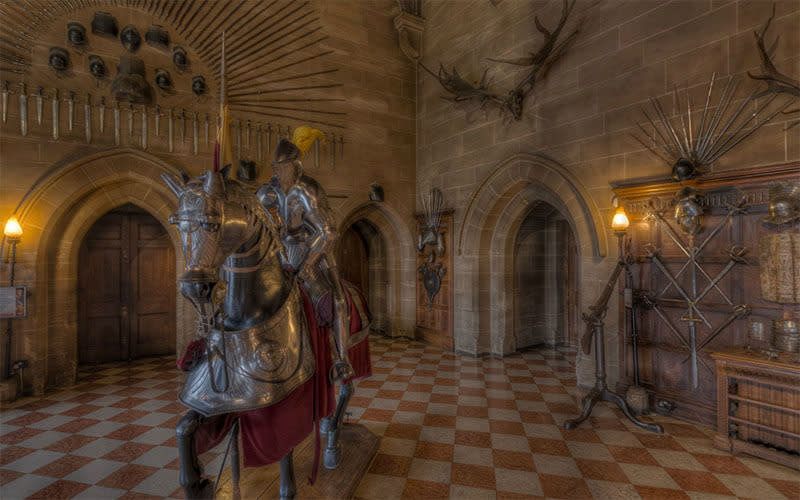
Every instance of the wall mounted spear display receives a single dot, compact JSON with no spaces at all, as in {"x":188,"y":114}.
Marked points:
{"x":116,"y":124}
{"x":4,"y":93}
{"x":688,"y":147}
{"x":56,"y":111}
{"x":429,"y":235}
{"x":688,"y":217}
{"x":539,"y":63}
{"x":157,"y":120}
{"x":39,"y":96}
{"x":777,"y":82}
{"x":23,"y":110}
{"x":87,"y":118}
{"x":71,"y":111}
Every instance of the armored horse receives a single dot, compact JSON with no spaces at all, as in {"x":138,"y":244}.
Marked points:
{"x":260,"y":362}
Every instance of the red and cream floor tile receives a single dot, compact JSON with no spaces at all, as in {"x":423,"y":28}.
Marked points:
{"x":451,"y":427}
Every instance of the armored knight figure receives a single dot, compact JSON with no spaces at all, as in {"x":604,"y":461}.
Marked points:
{"x":308,"y":234}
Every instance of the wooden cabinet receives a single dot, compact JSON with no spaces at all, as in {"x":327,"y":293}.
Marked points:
{"x":664,"y":334}
{"x":758,"y":408}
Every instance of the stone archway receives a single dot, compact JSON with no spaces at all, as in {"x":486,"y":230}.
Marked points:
{"x":485,"y":244}
{"x":56,"y":214}
{"x":399,"y":285}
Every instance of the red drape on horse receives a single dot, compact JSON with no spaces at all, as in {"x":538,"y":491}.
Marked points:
{"x":270,"y":433}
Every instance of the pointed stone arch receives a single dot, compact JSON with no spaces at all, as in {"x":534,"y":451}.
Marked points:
{"x":56,"y":214}
{"x":485,"y":242}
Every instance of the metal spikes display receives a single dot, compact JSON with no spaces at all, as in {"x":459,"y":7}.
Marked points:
{"x":701,"y":282}
{"x":270,"y":47}
{"x":687,"y":146}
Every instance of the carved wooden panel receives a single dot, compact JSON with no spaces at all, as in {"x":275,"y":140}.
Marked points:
{"x":663,"y":354}
{"x":435,"y":320}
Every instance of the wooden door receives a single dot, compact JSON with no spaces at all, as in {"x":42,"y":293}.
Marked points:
{"x":126,"y":294}
{"x":570,"y":297}
{"x":353,"y":260}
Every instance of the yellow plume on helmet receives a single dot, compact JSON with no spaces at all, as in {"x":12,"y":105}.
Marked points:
{"x":304,"y":136}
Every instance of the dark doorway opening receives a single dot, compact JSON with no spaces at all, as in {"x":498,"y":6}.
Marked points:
{"x":361,"y":257}
{"x":126,"y":288}
{"x":545,"y":279}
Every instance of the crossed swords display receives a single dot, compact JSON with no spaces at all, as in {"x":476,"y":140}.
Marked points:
{"x":264,"y":134}
{"x":692,"y":297}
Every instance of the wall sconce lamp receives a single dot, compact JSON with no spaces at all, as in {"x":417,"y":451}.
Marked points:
{"x":13,"y":233}
{"x":620,"y":221}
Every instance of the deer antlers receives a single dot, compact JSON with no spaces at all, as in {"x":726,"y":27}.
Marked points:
{"x":540,"y":63}
{"x":777,"y":82}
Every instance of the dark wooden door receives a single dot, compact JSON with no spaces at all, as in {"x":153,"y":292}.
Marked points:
{"x":353,"y":260}
{"x":570,"y":297}
{"x":126,"y":281}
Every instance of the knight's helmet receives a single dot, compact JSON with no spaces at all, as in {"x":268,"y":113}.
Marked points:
{"x":302,"y":140}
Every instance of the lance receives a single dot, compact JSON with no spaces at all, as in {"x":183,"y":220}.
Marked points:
{"x":4,"y":94}
{"x":157,"y":120}
{"x":71,"y":111}
{"x":116,"y":123}
{"x":39,"y":105}
{"x":101,"y":112}
{"x":87,"y":118}
{"x":144,"y":127}
{"x":194,"y":133}
{"x":258,"y":142}
{"x":23,"y":110}
{"x":170,"y":130}
{"x":55,"y":107}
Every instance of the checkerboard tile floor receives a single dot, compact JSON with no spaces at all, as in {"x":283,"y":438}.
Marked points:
{"x":450,"y":426}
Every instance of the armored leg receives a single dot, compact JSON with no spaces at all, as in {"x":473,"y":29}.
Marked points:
{"x":288,"y":488}
{"x":340,"y":328}
{"x":191,"y":479}
{"x":333,"y":450}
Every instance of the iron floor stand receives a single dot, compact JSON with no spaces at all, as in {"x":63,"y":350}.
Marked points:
{"x":600,"y":391}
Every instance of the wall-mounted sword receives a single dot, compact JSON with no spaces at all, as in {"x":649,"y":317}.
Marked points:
{"x":101,"y":112}
{"x":4,"y":93}
{"x":23,"y":110}
{"x":259,"y":146}
{"x":182,"y":118}
{"x":87,"y":118}
{"x":144,"y":127}
{"x":71,"y":111}
{"x":39,"y":95}
{"x":170,"y":126}
{"x":116,"y":123}
{"x":205,"y":129}
{"x":333,"y":151}
{"x":56,"y":109}
{"x":130,"y":121}
{"x":194,"y":133}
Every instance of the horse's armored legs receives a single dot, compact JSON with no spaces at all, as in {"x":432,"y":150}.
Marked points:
{"x":333,"y":450}
{"x":194,"y":485}
{"x":288,"y":487}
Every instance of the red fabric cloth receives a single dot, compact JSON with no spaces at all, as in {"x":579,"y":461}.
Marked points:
{"x":192,"y":352}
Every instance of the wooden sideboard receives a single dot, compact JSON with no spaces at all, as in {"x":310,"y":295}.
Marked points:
{"x":758,"y":407}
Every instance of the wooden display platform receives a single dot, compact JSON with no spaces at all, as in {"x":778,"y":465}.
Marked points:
{"x":359,"y":446}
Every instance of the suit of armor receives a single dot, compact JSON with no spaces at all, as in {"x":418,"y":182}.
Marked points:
{"x":308,"y":233}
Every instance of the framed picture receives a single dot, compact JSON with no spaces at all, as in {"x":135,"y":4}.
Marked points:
{"x":13,"y":301}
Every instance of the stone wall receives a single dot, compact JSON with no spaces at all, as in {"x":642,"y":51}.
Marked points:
{"x":379,"y":95}
{"x":580,"y":116}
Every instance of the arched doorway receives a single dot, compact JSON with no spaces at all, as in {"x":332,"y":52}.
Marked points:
{"x":363,"y":261}
{"x":545,"y":285}
{"x":126,"y":288}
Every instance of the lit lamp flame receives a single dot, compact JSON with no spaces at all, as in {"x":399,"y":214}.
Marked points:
{"x":12,"y":230}
{"x":620,"y":221}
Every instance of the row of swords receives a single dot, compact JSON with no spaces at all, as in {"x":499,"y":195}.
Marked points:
{"x":242,"y":131}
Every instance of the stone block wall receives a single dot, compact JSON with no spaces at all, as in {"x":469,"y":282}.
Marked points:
{"x":379,"y":96}
{"x":582,"y":114}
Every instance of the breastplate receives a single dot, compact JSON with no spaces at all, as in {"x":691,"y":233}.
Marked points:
{"x":248,"y":369}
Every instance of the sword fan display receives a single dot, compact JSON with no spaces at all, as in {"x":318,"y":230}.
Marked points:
{"x":700,"y":281}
